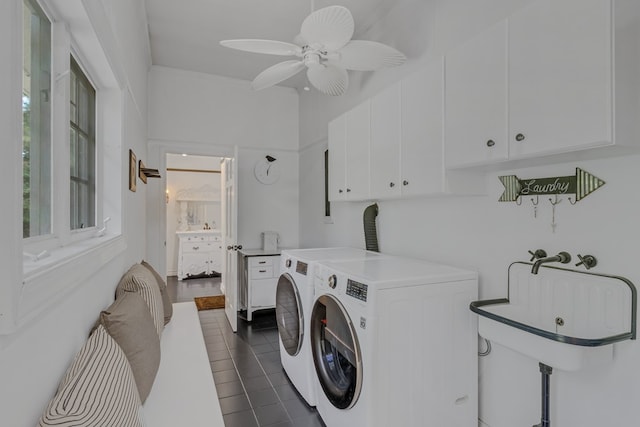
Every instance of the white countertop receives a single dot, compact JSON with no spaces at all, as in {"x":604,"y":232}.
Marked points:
{"x":199,"y":232}
{"x":260,"y":252}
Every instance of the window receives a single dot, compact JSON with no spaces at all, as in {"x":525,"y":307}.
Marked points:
{"x":36,"y":114}
{"x":82,"y":149}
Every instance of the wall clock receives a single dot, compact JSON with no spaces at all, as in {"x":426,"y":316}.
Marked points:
{"x":267,"y":170}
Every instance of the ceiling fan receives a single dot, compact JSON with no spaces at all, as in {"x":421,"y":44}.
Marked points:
{"x":324,"y":47}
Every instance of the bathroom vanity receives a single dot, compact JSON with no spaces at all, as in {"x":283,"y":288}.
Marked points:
{"x":199,"y":252}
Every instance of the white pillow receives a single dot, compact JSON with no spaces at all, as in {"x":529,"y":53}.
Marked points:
{"x":98,"y":389}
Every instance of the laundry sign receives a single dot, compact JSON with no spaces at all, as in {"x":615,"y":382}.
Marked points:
{"x":581,"y":184}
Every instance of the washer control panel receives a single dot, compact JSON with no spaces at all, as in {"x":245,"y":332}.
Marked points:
{"x":301,"y":268}
{"x":357,"y":290}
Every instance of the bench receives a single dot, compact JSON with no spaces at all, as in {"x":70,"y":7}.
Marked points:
{"x":183,"y":393}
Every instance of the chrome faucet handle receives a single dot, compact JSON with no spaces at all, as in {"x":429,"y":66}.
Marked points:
{"x":589,"y":261}
{"x":539,"y":253}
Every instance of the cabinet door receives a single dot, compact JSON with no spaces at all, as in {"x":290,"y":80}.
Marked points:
{"x":422,"y":131}
{"x":386,"y":138}
{"x":476,"y":100}
{"x":337,"y":159}
{"x":560,"y":76}
{"x":194,"y":263}
{"x":357,"y":139}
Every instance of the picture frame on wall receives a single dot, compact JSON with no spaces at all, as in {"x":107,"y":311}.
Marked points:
{"x":132,"y":171}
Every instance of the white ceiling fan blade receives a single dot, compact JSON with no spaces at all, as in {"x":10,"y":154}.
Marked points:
{"x":330,"y":27}
{"x":328,"y":79}
{"x":364,"y":55}
{"x":270,"y":47}
{"x":277,"y":73}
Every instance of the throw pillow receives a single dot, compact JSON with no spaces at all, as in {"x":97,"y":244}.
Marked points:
{"x":139,"y":279}
{"x":128,"y":322}
{"x":162,"y":284}
{"x":97,"y":390}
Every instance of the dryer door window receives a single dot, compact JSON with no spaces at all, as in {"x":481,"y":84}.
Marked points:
{"x":289,"y":314}
{"x":336,"y":352}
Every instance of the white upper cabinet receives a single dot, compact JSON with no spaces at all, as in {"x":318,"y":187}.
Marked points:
{"x":349,"y":137}
{"x":407,"y":136}
{"x":560,"y":77}
{"x":358,"y":136}
{"x":386,"y":138}
{"x":556,"y":77}
{"x":421,"y":151}
{"x":476,"y":100}
{"x":337,"y":159}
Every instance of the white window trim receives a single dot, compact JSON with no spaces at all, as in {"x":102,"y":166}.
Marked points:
{"x":35,"y":284}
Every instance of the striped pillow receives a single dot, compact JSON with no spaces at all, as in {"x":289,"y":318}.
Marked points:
{"x":139,"y":279}
{"x":98,"y":389}
{"x":162,"y":284}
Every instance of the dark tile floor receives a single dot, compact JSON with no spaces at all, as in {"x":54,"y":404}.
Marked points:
{"x":253,"y":389}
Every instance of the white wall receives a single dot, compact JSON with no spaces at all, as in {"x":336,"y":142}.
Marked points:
{"x":486,"y":235}
{"x":208,"y":115}
{"x":34,"y":359}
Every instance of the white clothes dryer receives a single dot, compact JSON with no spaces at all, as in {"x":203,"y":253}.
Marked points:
{"x":294,"y":299}
{"x":394,"y":343}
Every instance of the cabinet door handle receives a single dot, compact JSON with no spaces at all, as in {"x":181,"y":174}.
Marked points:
{"x":520,"y":137}
{"x":391,"y":184}
{"x":348,"y":190}
{"x":491,"y":143}
{"x":405,"y":182}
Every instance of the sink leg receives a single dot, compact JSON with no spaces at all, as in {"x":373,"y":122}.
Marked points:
{"x":546,"y":415}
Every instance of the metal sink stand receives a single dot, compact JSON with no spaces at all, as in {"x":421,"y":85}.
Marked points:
{"x":545,"y":372}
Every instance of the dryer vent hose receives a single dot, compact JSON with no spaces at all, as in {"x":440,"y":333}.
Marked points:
{"x":370,"y":232}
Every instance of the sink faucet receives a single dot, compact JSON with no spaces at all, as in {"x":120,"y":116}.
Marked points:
{"x":562,"y":257}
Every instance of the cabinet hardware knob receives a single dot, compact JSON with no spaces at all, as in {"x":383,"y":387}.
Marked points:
{"x":405,"y":182}
{"x":239,"y":247}
{"x":491,"y":143}
{"x":520,"y":137}
{"x":348,"y":190}
{"x":229,"y":248}
{"x":391,"y":184}
{"x":340,"y":191}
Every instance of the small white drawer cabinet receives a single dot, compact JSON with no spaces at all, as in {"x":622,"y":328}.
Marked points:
{"x":262,"y":274}
{"x":200,"y":252}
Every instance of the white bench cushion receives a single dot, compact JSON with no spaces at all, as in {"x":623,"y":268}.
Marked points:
{"x":184,"y":393}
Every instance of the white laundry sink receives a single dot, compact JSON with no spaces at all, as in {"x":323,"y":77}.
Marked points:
{"x":563,"y":318}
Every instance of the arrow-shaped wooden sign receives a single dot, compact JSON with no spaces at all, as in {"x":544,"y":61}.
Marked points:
{"x":581,"y":184}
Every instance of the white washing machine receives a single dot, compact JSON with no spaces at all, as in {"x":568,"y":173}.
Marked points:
{"x":294,"y":299}
{"x":395,"y":344}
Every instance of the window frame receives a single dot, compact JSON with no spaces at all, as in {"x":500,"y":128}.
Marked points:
{"x":40,"y":271}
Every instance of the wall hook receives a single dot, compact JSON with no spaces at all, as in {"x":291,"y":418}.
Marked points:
{"x":519,"y":200}
{"x":573,"y":202}
{"x":535,"y":206}
{"x":553,"y":211}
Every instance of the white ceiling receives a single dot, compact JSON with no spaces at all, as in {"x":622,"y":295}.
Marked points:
{"x":186,"y":34}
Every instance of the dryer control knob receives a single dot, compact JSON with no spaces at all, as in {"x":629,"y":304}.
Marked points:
{"x":288,"y":263}
{"x":333,"y":281}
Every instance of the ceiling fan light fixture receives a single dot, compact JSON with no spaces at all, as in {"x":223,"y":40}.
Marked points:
{"x":325,"y":48}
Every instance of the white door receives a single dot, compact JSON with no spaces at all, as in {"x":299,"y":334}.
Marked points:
{"x":229,"y":238}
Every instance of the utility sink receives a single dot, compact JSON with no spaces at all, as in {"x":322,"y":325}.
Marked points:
{"x":566,"y":319}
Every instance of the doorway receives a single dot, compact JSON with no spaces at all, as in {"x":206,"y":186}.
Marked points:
{"x":193,"y":204}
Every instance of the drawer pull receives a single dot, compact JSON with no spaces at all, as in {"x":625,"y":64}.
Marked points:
{"x":195,"y":248}
{"x":262,"y":271}
{"x":262,"y":262}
